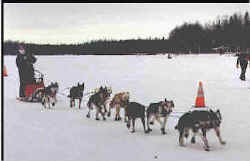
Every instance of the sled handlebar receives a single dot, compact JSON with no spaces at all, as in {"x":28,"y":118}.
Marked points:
{"x":39,"y":72}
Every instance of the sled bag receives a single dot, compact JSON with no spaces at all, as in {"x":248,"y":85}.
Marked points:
{"x":30,"y":89}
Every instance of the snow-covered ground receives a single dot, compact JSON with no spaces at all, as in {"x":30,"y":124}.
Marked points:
{"x":64,"y":134}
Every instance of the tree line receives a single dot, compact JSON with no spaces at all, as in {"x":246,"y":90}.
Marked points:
{"x":231,"y":31}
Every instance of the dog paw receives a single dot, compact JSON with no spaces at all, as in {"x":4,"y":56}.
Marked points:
{"x":163,"y":131}
{"x":206,"y":148}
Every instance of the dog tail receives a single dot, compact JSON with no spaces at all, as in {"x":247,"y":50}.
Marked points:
{"x":69,"y":95}
{"x":176,"y":127}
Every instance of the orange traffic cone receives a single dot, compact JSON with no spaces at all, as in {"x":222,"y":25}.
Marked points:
{"x":5,"y":72}
{"x":200,"y":99}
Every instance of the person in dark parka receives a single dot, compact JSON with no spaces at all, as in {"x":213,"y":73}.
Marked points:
{"x":24,"y":62}
{"x":242,"y":59}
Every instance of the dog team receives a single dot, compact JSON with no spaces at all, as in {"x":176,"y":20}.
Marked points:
{"x":198,"y":122}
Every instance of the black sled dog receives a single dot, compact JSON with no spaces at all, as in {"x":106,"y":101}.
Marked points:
{"x":135,"y":110}
{"x":76,"y":92}
{"x":196,"y":121}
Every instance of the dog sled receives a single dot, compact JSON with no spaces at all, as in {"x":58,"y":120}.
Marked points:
{"x":31,"y":94}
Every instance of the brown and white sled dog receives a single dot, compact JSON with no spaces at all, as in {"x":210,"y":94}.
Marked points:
{"x":199,"y":122}
{"x":159,"y":110}
{"x":120,"y":100}
{"x":48,"y":94}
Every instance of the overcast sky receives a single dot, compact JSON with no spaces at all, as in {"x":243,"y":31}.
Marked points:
{"x":80,"y":22}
